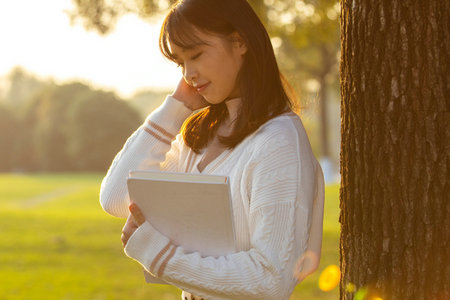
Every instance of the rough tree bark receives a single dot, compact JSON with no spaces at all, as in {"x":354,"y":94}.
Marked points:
{"x":395,"y":148}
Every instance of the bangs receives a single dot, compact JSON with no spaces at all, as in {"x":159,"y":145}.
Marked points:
{"x":179,"y":31}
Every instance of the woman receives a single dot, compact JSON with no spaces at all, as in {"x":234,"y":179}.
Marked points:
{"x":243,"y":128}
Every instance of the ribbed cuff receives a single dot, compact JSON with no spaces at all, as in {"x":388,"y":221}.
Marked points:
{"x":145,"y":245}
{"x":170,"y":115}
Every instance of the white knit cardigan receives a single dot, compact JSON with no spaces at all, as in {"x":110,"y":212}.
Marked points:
{"x":277,"y":197}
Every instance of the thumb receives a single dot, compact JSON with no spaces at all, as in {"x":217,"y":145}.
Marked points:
{"x":137,"y":214}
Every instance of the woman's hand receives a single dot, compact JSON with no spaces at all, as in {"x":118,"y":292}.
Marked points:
{"x":189,"y":96}
{"x":306,"y":264}
{"x":135,"y":219}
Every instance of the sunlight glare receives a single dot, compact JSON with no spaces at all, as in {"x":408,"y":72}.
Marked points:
{"x":38,"y":36}
{"x":329,"y":278}
{"x":350,"y":287}
{"x":361,"y":294}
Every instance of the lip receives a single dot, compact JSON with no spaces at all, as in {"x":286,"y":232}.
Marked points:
{"x":202,"y":87}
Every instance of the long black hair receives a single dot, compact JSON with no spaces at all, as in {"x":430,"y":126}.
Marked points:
{"x":263,"y":89}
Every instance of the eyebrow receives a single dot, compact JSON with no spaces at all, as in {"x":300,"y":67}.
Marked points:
{"x":186,"y":48}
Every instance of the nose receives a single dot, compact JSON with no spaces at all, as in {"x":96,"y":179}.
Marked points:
{"x":190,"y":73}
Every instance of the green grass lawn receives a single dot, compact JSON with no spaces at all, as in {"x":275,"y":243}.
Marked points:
{"x":57,"y":243}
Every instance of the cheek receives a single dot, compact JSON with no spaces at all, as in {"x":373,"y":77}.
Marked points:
{"x":232,"y":69}
{"x":229,"y":67}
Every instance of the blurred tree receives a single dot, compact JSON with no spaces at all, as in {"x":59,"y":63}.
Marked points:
{"x":305,"y":35}
{"x":24,"y":156}
{"x":146,"y":101}
{"x":50,"y":137}
{"x":8,"y":137}
{"x":98,"y":126}
{"x":22,"y":86}
{"x":102,"y":15}
{"x":395,"y":155}
{"x":71,"y":128}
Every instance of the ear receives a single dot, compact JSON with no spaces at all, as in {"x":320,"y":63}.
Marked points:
{"x":238,"y":43}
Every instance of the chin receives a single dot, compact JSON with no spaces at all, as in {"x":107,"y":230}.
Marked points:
{"x":211,"y":100}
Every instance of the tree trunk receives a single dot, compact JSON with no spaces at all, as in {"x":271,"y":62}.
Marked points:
{"x":395,"y":149}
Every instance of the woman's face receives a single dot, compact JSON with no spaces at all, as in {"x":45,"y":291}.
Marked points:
{"x":212,"y":68}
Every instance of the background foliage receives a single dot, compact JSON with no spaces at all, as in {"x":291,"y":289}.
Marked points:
{"x":69,"y":127}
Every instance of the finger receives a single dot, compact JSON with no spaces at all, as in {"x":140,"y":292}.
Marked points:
{"x":125,"y":239}
{"x":128,"y":229}
{"x":137,"y":214}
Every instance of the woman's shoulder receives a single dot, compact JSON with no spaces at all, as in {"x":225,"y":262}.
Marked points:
{"x":285,"y":125}
{"x":275,"y":133}
{"x":283,"y":133}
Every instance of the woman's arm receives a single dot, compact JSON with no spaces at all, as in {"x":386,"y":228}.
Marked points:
{"x":279,"y":223}
{"x":145,"y":149}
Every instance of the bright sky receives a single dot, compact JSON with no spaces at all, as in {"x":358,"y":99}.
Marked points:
{"x":38,"y":36}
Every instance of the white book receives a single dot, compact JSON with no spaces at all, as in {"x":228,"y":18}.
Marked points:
{"x":193,"y":210}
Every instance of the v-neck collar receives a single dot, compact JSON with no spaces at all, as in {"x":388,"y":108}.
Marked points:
{"x":215,"y":148}
{"x":194,"y":159}
{"x":212,"y":165}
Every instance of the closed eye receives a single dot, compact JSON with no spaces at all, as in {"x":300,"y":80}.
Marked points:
{"x":180,"y":64}
{"x":197,"y":55}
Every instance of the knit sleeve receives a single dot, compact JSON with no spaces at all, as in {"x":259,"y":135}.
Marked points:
{"x":265,"y":271}
{"x":145,"y":149}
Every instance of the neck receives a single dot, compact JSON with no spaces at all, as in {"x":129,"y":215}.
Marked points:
{"x":233,"y":106}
